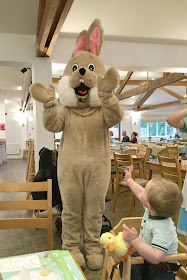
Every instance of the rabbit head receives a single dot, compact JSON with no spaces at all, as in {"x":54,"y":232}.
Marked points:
{"x":78,"y":86}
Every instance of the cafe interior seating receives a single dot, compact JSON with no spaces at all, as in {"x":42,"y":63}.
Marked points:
{"x":172,"y":151}
{"x":121,"y":161}
{"x":28,"y":221}
{"x":170,"y":169}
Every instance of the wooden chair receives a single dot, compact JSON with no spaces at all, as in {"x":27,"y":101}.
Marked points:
{"x":112,"y":178}
{"x":30,"y":171}
{"x":172,"y":151}
{"x":146,"y":158}
{"x":162,"y":153}
{"x":181,"y":256}
{"x":170,"y":169}
{"x":130,"y":151}
{"x":13,"y":223}
{"x":121,"y":161}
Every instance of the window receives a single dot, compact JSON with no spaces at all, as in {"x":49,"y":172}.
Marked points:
{"x":159,"y":129}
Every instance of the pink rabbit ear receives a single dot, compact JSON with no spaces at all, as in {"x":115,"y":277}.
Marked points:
{"x":94,"y":41}
{"x":81,"y":42}
{"x":94,"y":38}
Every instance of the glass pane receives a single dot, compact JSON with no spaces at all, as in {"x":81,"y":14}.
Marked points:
{"x":143,"y":130}
{"x":161,"y":128}
{"x":170,"y":130}
{"x":152,"y":129}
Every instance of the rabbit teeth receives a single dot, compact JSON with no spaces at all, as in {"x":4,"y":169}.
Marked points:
{"x":81,"y":81}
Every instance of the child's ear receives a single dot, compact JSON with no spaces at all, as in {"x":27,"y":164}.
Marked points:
{"x":150,"y":208}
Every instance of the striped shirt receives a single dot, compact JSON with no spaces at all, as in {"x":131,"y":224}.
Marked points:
{"x":159,"y":233}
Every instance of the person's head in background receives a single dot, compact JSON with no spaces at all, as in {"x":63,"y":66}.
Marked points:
{"x":124,"y":133}
{"x":111,"y":133}
{"x":134,"y":134}
{"x":150,"y":139}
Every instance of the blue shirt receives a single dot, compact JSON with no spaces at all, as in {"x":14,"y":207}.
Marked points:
{"x":185,"y":126}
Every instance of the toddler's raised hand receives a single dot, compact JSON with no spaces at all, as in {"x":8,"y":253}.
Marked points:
{"x":128,"y":173}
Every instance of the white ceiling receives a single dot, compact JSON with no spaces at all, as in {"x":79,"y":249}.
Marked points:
{"x":132,"y":20}
{"x":18,"y":16}
{"x":159,"y":21}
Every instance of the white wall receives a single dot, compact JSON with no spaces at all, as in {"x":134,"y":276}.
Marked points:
{"x":130,"y":56}
{"x":16,"y":127}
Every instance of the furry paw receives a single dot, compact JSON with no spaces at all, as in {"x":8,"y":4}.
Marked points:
{"x":94,"y":262}
{"x":109,"y":82}
{"x":80,"y":259}
{"x":42,"y":94}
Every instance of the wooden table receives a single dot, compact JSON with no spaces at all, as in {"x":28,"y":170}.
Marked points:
{"x":155,"y":166}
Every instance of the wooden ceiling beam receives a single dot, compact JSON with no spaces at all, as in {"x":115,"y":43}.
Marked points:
{"x":123,"y":83}
{"x":173,"y":93}
{"x":144,"y":98}
{"x":172,"y":103}
{"x":51,"y":16}
{"x":152,"y":85}
{"x":60,"y":18}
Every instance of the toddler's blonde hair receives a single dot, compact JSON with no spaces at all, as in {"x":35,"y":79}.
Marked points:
{"x":165,"y":197}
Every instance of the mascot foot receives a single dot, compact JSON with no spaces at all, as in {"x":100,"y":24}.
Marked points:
{"x":94,"y":262}
{"x":80,"y":259}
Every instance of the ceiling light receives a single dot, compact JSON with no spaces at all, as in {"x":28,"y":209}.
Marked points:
{"x":58,"y":67}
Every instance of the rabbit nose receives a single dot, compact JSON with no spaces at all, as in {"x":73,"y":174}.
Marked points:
{"x":82,"y":71}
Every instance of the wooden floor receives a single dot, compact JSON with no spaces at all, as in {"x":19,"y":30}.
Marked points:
{"x":25,"y":241}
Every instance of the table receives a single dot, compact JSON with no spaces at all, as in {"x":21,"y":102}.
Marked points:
{"x":155,"y":166}
{"x":57,"y":261}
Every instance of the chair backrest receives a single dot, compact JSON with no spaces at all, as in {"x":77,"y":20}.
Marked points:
{"x":13,"y":223}
{"x":172,"y":151}
{"x":170,"y":169}
{"x":141,"y":150}
{"x":130,"y":222}
{"x":121,"y":161}
{"x":148,"y":153}
{"x":130,"y":151}
{"x":162,"y":153}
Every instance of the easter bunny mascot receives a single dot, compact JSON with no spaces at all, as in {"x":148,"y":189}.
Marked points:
{"x":84,"y":164}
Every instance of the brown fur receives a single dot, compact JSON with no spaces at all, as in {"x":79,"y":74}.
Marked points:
{"x":84,"y":163}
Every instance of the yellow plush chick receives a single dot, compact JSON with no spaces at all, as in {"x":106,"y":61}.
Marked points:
{"x":115,"y":244}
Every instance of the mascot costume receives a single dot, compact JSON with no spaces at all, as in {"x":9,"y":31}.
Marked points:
{"x":84,"y":164}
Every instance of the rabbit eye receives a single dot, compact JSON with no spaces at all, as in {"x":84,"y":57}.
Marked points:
{"x":91,"y":67}
{"x":74,"y":67}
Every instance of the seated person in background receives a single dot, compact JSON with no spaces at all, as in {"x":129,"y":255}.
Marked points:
{"x":150,"y":139}
{"x":162,"y":200}
{"x":125,"y":137}
{"x":133,"y":137}
{"x":111,"y":136}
